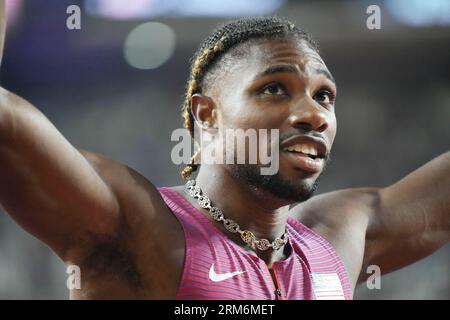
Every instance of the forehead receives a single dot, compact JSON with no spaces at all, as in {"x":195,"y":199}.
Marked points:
{"x":246,"y":62}
{"x":266,"y":52}
{"x":258,"y":57}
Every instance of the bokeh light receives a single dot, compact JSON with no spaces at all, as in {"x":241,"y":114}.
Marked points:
{"x":13,"y":8}
{"x":149,"y":45}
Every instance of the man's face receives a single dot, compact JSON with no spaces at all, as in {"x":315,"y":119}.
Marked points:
{"x":285,"y":85}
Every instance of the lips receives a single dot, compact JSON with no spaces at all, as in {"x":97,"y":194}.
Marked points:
{"x":307,"y":153}
{"x":305,"y":163}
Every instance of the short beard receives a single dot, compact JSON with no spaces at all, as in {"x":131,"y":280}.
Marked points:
{"x":286,"y":189}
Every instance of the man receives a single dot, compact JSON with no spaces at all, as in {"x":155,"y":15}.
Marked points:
{"x":229,"y":234}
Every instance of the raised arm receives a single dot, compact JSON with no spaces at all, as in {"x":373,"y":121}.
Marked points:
{"x":389,"y":227}
{"x":411,"y":218}
{"x":46,"y":185}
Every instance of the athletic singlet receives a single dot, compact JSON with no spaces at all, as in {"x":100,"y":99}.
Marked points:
{"x":217,"y":268}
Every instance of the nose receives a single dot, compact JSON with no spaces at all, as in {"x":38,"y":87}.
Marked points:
{"x":309,"y":116}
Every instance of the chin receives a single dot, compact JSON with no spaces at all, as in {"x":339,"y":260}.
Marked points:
{"x":288,"y":187}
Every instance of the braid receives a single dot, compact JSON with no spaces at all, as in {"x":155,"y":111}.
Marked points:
{"x":191,"y":167}
{"x":219,"y":42}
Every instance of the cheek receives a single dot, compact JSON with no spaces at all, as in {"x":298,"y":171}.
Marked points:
{"x":246,"y":116}
{"x":240,"y":113}
{"x":246,"y":113}
{"x":332,"y":128}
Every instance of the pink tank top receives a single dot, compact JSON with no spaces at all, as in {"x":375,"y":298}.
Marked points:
{"x":217,"y":268}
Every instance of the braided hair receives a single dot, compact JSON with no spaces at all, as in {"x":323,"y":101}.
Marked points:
{"x":214,"y":47}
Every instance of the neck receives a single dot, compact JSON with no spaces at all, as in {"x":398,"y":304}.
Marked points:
{"x":253,"y":209}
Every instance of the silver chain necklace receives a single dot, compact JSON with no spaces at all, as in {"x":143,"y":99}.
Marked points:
{"x":247,"y":236}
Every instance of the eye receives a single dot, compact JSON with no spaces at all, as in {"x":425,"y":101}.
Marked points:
{"x":274,"y":89}
{"x":324,"y":97}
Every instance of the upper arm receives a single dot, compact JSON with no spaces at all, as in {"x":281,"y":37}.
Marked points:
{"x":389,"y":227}
{"x":412,"y":218}
{"x":46,"y":184}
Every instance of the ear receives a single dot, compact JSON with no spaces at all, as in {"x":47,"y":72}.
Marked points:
{"x":203,"y":110}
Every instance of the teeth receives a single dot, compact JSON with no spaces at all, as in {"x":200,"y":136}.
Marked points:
{"x":303,"y":148}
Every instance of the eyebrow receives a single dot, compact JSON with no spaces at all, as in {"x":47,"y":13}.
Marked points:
{"x":291,"y":69}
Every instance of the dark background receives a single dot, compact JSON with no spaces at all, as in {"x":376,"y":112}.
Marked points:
{"x":393,"y":107}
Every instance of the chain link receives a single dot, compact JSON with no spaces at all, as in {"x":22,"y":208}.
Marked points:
{"x":247,"y":236}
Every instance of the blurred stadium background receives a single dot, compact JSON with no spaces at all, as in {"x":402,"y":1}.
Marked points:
{"x":115,"y":87}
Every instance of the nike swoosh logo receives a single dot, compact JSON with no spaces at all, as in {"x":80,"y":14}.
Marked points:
{"x":216,"y":277}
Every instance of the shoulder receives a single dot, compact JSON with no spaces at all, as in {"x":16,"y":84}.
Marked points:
{"x":342,"y":218}
{"x":127,"y":184}
{"x":146,"y":221}
{"x":113,"y":171}
{"x":141,"y":204}
{"x":338,"y":208}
